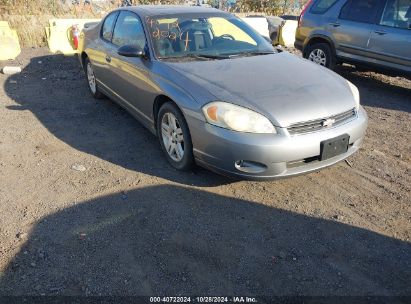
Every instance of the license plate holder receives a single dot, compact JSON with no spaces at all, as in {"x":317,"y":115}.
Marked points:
{"x":334,"y":146}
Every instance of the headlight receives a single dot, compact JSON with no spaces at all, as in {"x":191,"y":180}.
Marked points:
{"x":229,"y":116}
{"x":355,"y":93}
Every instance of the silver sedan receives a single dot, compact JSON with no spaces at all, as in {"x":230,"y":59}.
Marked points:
{"x":218,"y":95}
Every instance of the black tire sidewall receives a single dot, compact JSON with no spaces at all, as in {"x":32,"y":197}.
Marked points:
{"x":97,"y":94}
{"x":330,"y":60}
{"x":187,"y":163}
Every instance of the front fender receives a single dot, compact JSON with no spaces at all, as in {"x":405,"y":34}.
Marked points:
{"x":183,"y":98}
{"x":188,"y":95}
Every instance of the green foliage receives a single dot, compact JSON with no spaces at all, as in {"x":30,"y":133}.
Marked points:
{"x":30,"y":17}
{"x":263,"y":6}
{"x":30,"y":7}
{"x":271,"y":7}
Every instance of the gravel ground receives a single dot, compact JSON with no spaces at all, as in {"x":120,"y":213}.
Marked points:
{"x":88,"y":205}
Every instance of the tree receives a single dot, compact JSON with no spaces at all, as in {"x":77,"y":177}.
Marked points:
{"x":271,"y":7}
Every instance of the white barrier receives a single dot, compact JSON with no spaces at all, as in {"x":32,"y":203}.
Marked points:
{"x":59,"y":35}
{"x":9,"y":42}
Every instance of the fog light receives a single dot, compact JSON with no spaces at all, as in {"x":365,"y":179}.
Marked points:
{"x":249,"y":166}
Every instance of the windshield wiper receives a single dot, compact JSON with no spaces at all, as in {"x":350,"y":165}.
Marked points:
{"x":200,"y":56}
{"x":252,"y":53}
{"x":208,"y":56}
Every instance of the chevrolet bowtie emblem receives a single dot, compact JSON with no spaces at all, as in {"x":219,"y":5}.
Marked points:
{"x":328,"y":122}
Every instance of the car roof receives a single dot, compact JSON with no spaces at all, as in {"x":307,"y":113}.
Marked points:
{"x":155,"y":10}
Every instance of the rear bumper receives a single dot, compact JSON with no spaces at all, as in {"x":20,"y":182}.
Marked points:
{"x":269,"y":156}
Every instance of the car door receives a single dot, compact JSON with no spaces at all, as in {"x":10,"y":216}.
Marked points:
{"x":101,"y":54}
{"x":352,"y":29}
{"x":391,"y":38}
{"x":129,"y":75}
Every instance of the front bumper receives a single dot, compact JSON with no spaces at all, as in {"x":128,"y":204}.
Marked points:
{"x":275,"y":155}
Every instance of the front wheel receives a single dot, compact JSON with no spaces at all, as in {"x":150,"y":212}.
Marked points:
{"x":321,"y":54}
{"x":175,"y":138}
{"x":91,"y":79}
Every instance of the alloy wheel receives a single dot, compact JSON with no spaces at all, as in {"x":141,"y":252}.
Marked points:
{"x":91,"y":78}
{"x":318,"y":56}
{"x":172,"y":136}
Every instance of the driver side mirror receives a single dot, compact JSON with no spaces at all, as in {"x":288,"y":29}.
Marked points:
{"x":131,"y":51}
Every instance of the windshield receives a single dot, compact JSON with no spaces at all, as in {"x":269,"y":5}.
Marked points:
{"x":207,"y":36}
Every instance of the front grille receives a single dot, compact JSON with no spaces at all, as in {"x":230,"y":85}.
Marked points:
{"x":319,"y":124}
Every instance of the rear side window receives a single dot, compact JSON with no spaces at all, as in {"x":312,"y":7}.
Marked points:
{"x":107,"y":30}
{"x":321,"y":6}
{"x":397,"y":13}
{"x":363,"y":11}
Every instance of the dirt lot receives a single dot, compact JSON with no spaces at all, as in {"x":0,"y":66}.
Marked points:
{"x":88,"y":205}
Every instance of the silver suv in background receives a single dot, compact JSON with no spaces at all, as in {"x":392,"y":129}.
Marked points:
{"x":367,"y":33}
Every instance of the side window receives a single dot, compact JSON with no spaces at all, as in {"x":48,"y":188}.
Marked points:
{"x":321,"y":6}
{"x":107,"y":30}
{"x":129,"y":30}
{"x":360,"y":10}
{"x":397,"y":13}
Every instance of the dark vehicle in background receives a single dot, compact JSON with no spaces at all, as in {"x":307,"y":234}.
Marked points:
{"x":290,"y":17}
{"x":372,"y":34}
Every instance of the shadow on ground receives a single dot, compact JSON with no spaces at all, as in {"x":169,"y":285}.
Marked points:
{"x":55,"y":90}
{"x":375,"y":92}
{"x":168,"y":240}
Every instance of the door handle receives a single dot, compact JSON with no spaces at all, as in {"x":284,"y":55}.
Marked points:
{"x":108,"y":59}
{"x":381,"y":32}
{"x":335,"y":24}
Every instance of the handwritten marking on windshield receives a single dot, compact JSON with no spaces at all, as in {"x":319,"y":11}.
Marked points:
{"x":173,"y":31}
{"x":186,"y":42}
{"x":157,"y":34}
{"x":150,"y":21}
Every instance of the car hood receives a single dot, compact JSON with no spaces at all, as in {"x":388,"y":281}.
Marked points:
{"x":283,"y":87}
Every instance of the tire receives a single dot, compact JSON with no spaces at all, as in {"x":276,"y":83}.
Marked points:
{"x":94,"y":89}
{"x":170,"y":138}
{"x":321,"y":54}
